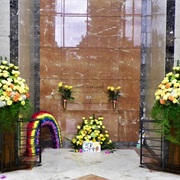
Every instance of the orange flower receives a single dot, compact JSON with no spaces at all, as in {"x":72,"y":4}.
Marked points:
{"x":17,"y":94}
{"x":27,"y":95}
{"x":171,"y":98}
{"x":168,"y":85}
{"x":162,"y":101}
{"x":9,"y":94}
{"x":11,"y":86}
{"x":15,"y":98}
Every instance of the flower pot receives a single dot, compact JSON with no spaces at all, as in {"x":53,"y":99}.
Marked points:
{"x":64,"y":104}
{"x":174,"y":154}
{"x":8,"y":150}
{"x":114,"y":103}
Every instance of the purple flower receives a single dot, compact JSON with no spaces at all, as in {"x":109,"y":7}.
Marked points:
{"x":107,"y":151}
{"x":80,"y":150}
{"x":2,"y":177}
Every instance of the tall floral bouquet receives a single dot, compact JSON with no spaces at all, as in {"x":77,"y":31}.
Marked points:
{"x":66,"y":91}
{"x":92,"y":129}
{"x":14,"y":96}
{"x":166,"y":109}
{"x":114,"y":92}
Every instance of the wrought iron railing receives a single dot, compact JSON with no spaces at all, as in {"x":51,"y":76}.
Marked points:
{"x":155,"y":152}
{"x":13,"y":147}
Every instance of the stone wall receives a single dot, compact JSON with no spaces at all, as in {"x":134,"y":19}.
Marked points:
{"x":93,"y":46}
{"x":5,"y":28}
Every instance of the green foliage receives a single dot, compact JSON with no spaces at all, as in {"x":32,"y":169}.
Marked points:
{"x":9,"y":115}
{"x":168,"y":119}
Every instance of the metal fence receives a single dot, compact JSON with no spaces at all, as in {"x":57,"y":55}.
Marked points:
{"x":13,"y":148}
{"x":155,"y":152}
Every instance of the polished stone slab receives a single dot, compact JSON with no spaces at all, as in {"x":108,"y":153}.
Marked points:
{"x":61,"y":164}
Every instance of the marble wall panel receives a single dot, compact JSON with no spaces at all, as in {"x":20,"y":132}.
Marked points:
{"x":51,"y":59}
{"x":132,"y":31}
{"x":75,"y":63}
{"x":177,"y":33}
{"x":129,"y":63}
{"x":70,"y":121}
{"x":158,"y":7}
{"x":92,"y":51}
{"x":5,"y":28}
{"x":50,"y":6}
{"x":51,"y":30}
{"x":90,"y":63}
{"x":5,"y":18}
{"x":92,"y":95}
{"x":138,"y":7}
{"x":104,"y":32}
{"x":75,"y":31}
{"x":5,"y":48}
{"x":105,"y":8}
{"x":128,"y":126}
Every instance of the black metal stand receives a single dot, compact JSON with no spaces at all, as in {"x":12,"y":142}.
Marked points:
{"x":13,"y":150}
{"x":155,"y":152}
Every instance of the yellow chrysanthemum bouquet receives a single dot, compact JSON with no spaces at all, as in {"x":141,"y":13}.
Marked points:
{"x":66,"y":91}
{"x":114,"y":92}
{"x":92,"y":129}
{"x":14,"y":96}
{"x":166,"y":109}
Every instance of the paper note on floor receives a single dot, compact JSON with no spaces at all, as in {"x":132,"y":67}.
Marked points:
{"x":91,"y":146}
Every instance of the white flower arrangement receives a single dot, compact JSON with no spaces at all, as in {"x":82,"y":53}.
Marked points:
{"x":12,"y":87}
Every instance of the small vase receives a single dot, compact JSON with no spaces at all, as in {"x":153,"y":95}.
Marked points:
{"x":64,"y":104}
{"x":114,"y":103}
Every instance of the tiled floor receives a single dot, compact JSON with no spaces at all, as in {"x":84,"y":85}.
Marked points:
{"x":63,"y":164}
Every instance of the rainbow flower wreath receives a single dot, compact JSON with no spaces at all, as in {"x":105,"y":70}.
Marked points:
{"x":166,"y":109}
{"x":92,"y":129}
{"x":39,"y":120}
{"x":14,"y":96}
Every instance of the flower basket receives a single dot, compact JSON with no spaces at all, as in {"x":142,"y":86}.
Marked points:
{"x":166,"y":111}
{"x":167,"y":106}
{"x":92,"y":130}
{"x":14,"y":97}
{"x":14,"y":105}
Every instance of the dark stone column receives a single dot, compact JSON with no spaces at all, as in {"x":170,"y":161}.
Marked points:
{"x":14,"y":31}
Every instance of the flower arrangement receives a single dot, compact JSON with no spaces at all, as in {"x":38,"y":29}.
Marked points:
{"x":14,"y":96}
{"x":66,"y":91}
{"x":92,"y":129}
{"x":166,"y":109}
{"x":114,"y":92}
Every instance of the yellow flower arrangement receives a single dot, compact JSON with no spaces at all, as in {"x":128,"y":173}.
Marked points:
{"x":166,"y":109}
{"x":92,"y":129}
{"x":168,"y":91}
{"x":14,"y":95}
{"x":66,"y":91}
{"x":114,"y":92}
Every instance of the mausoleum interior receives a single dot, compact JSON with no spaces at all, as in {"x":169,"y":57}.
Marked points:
{"x":92,"y":49}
